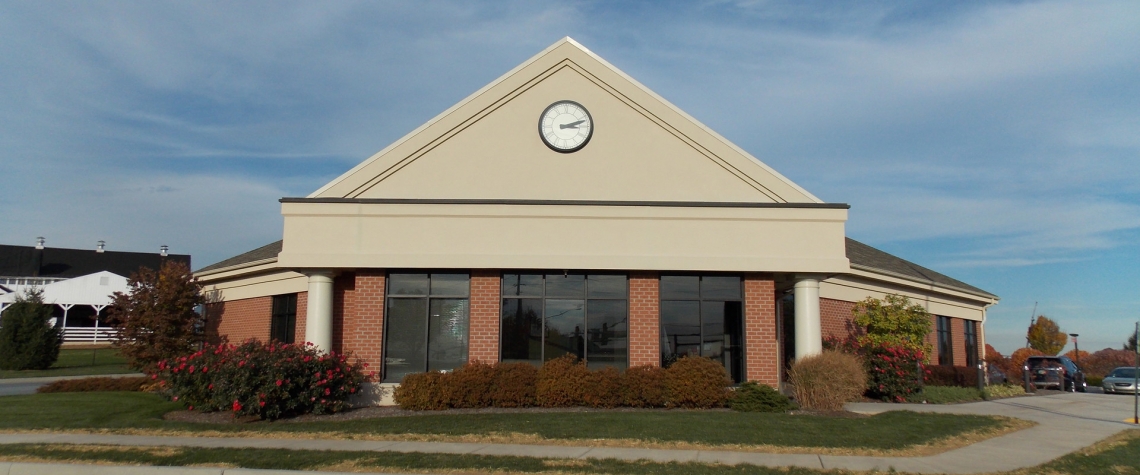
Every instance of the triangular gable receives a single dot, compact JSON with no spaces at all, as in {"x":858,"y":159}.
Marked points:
{"x":487,"y":146}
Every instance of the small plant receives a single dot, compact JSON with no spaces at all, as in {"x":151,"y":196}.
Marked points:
{"x":999,"y":391}
{"x":826,"y":381}
{"x":696,"y":382}
{"x":26,"y":339}
{"x":562,"y":382}
{"x":644,"y":386}
{"x":754,"y":397}
{"x":945,"y":395}
{"x":267,"y":380}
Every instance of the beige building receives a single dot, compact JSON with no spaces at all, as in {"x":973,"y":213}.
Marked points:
{"x":566,"y":208}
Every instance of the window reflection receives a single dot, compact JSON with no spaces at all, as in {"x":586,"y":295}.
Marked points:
{"x":426,"y":323}
{"x":703,"y":316}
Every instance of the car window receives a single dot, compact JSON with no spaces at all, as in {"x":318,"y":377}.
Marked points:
{"x":1123,"y":373}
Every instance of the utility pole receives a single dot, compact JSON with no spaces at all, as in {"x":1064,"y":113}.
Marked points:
{"x":1136,"y":379}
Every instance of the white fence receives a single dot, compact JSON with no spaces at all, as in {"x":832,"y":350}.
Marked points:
{"x":89,"y":334}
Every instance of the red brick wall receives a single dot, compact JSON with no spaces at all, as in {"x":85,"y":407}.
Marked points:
{"x":958,"y":337}
{"x":836,"y":318}
{"x":761,"y":349}
{"x":235,"y":321}
{"x":363,"y":309}
{"x":302,"y":312}
{"x":644,"y":319}
{"x":483,"y":332}
{"x":344,"y":306}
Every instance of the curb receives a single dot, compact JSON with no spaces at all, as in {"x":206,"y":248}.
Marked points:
{"x":22,"y":468}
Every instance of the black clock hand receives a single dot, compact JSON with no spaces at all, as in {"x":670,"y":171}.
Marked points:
{"x":572,"y":125}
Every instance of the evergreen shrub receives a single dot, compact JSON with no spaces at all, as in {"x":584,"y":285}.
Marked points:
{"x":945,"y":395}
{"x":754,"y":397}
{"x":26,"y":339}
{"x":999,"y":391}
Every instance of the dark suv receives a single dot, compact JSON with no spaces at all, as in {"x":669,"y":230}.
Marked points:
{"x":1056,"y":372}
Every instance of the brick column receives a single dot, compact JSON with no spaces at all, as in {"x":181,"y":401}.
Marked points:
{"x":958,"y":340}
{"x":344,"y":308}
{"x":364,"y":318}
{"x":483,"y":332}
{"x":644,"y":319}
{"x":302,"y":312}
{"x":761,"y":349}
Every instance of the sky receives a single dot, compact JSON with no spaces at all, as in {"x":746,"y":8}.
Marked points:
{"x":995,"y":142}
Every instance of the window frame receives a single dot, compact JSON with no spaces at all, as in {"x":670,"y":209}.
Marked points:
{"x":290,"y":317}
{"x":970,"y":329}
{"x":428,"y":297}
{"x":945,"y":341}
{"x":700,"y":306}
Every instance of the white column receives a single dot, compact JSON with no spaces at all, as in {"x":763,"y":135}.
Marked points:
{"x":809,"y":332}
{"x":319,"y":316}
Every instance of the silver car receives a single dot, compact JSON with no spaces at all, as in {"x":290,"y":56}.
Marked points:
{"x":1120,"y":380}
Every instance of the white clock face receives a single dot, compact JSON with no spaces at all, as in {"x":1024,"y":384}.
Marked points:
{"x":565,"y":126}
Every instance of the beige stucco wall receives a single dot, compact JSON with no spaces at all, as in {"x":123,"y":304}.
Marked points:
{"x":501,"y":236}
{"x":259,"y":281}
{"x":937,"y":300}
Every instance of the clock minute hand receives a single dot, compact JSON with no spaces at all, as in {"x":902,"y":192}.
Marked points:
{"x":572,"y":125}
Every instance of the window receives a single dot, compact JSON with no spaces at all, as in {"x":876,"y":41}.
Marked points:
{"x":702,"y":315}
{"x":283,"y":322}
{"x":426,"y":320}
{"x":945,"y":343}
{"x":547,"y":316}
{"x":971,"y":343}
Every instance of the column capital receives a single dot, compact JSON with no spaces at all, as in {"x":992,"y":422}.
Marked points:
{"x":317,"y":273}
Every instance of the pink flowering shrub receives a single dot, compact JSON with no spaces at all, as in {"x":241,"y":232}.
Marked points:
{"x":268,"y":380}
{"x":892,"y":370}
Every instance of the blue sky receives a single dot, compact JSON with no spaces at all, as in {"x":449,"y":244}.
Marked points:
{"x":996,"y":142}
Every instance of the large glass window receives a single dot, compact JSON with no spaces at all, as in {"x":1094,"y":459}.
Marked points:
{"x":703,"y":316}
{"x":549,"y":315}
{"x":283,"y":320}
{"x":971,"y":343}
{"x":945,"y":343}
{"x":426,"y":319}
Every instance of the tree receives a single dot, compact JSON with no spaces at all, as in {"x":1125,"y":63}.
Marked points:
{"x":894,"y":320}
{"x":1130,"y":345}
{"x":27,"y":341}
{"x":1046,"y":336}
{"x":157,"y":318}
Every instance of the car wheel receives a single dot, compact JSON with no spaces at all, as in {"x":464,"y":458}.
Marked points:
{"x":1084,"y":388}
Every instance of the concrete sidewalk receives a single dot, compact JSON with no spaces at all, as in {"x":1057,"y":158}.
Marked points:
{"x":1067,"y":422}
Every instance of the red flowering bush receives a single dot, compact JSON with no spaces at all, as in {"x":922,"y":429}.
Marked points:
{"x":892,"y":370}
{"x":268,"y":380}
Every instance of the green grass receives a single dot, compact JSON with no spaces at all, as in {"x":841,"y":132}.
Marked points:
{"x":78,"y":362}
{"x":1117,"y":457}
{"x":888,"y":431}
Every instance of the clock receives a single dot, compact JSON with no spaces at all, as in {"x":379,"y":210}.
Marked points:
{"x":565,"y":126}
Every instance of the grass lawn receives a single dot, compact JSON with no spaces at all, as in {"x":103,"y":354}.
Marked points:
{"x":1118,"y":455}
{"x":884,"y":432}
{"x":77,"y":362}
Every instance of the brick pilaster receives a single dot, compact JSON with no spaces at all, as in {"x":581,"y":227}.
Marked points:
{"x":644,"y":319}
{"x":363,"y":333}
{"x":761,"y":349}
{"x":483,"y":332}
{"x":958,"y":340}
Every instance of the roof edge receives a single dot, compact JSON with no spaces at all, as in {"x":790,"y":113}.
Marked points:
{"x":664,"y":204}
{"x":931,"y":283}
{"x":234,"y":267}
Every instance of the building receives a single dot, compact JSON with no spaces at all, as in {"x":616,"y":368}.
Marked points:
{"x":77,"y":282}
{"x":565,"y":208}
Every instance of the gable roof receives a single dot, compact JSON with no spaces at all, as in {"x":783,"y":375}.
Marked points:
{"x":22,"y":261}
{"x":865,"y":257}
{"x":266,"y":252}
{"x":484,"y":147}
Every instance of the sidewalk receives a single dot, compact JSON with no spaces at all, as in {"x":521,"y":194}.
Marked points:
{"x":1067,"y":422}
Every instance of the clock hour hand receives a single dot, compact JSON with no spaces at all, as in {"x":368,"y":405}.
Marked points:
{"x":572,"y":125}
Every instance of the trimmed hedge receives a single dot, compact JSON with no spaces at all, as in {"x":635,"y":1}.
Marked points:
{"x":755,"y":397}
{"x":137,"y":383}
{"x":567,"y":382}
{"x":945,"y":395}
{"x":960,"y":376}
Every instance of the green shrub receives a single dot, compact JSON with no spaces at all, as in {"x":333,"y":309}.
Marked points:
{"x":961,"y":376}
{"x":754,"y":397}
{"x":696,"y":382}
{"x":998,"y":391}
{"x":644,"y":386}
{"x":603,"y":388}
{"x":514,"y":385}
{"x":26,"y":339}
{"x":423,"y":392}
{"x":562,"y":382}
{"x":95,"y":384}
{"x":469,"y":386}
{"x":1094,"y":380}
{"x":892,"y":370}
{"x":826,"y":381}
{"x":268,"y":380}
{"x":945,"y":395}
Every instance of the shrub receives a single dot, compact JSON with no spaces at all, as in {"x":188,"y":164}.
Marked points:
{"x":1104,"y":361}
{"x":696,"y":382}
{"x":824,"y":382}
{"x":892,"y":370}
{"x":469,"y":386}
{"x":1094,"y":380}
{"x":268,"y":380}
{"x":754,"y":397}
{"x":95,"y":384}
{"x":998,"y":391}
{"x":961,"y":376}
{"x":562,"y":382}
{"x":26,"y":339}
{"x":422,"y":392}
{"x":156,"y":318}
{"x":514,"y":385}
{"x":603,"y":388}
{"x":644,"y":386}
{"x":945,"y":395}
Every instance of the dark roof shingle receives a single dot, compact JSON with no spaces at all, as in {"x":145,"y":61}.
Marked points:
{"x":268,"y":251}
{"x":866,"y":256}
{"x":21,"y":261}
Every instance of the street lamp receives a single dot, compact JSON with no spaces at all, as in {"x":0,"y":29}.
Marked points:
{"x":1076,"y":347}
